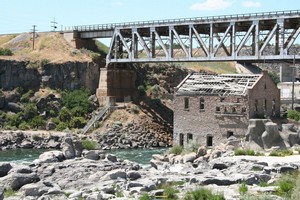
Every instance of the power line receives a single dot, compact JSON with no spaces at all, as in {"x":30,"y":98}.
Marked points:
{"x":54,"y":24}
{"x":33,"y":35}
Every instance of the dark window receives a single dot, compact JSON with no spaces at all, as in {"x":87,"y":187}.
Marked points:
{"x":229,"y":134}
{"x":181,"y":139}
{"x":238,"y":100}
{"x":189,"y":137}
{"x":222,"y":99}
{"x":209,"y":140}
{"x":218,"y":109}
{"x":243,"y":110}
{"x":225,"y":110}
{"x":233,"y":110}
{"x":201,"y":103}
{"x":186,"y":103}
{"x":265,"y":86}
{"x":256,"y":105}
{"x":265,"y":104}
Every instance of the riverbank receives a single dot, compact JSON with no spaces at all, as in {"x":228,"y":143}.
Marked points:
{"x":75,"y":173}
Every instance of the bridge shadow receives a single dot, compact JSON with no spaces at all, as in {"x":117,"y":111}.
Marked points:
{"x":158,"y":111}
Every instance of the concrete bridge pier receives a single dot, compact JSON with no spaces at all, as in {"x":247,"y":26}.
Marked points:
{"x":116,"y":85}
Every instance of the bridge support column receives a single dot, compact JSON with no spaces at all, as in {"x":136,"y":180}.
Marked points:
{"x":116,"y":83}
{"x":287,"y":73}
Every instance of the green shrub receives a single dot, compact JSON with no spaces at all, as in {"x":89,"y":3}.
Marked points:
{"x":44,"y":62}
{"x":88,"y":144}
{"x":24,"y":126}
{"x":37,"y":122}
{"x":5,"y":52}
{"x":78,"y":98}
{"x":192,"y":146}
{"x":135,"y":109}
{"x":146,"y":196}
{"x":177,"y":150}
{"x":77,"y":122}
{"x":141,"y":90}
{"x":26,"y":96}
{"x":293,"y":114}
{"x":61,"y":126}
{"x":170,"y":193}
{"x":64,"y":115}
{"x":30,"y":111}
{"x":95,"y":56}
{"x":202,"y":194}
{"x":243,"y":188}
{"x":286,"y":184}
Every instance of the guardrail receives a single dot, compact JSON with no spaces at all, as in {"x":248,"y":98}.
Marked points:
{"x":112,"y":26}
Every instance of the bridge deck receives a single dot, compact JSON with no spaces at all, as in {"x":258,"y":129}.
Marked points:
{"x":255,"y":37}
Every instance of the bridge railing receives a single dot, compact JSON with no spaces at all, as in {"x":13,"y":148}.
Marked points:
{"x":111,"y":26}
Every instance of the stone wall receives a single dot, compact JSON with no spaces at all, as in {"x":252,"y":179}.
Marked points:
{"x":264,"y":98}
{"x":116,"y":83}
{"x":208,"y":121}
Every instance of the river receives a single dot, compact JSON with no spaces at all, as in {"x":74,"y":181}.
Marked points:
{"x":140,"y":156}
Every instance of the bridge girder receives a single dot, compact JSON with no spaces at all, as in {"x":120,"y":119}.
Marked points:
{"x":268,"y":38}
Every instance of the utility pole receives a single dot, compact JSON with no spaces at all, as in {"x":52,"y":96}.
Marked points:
{"x":33,"y":35}
{"x":293,"y":83}
{"x":54,"y":24}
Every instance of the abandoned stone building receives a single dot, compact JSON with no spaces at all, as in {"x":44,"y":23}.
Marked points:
{"x":209,"y":108}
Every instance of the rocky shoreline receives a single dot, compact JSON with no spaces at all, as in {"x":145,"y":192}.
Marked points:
{"x":74,"y":173}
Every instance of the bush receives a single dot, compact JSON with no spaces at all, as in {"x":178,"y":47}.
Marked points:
{"x":5,"y":52}
{"x":37,"y":122}
{"x":88,"y":144}
{"x":25,"y":97}
{"x":64,"y":115}
{"x":170,"y":193}
{"x":30,"y":111}
{"x":177,"y":150}
{"x":9,"y":192}
{"x":61,"y":126}
{"x":286,"y":184}
{"x":192,"y":146}
{"x":293,"y":114}
{"x":78,"y":98}
{"x":141,"y":90}
{"x":202,"y":194}
{"x":135,"y":109}
{"x":77,"y":122}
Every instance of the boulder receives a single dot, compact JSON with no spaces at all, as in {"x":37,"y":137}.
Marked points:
{"x":34,"y":189}
{"x":16,"y":180}
{"x":1,"y":193}
{"x":92,"y":155}
{"x":133,"y":175}
{"x":115,"y":174}
{"x":52,"y":144}
{"x":270,"y":136}
{"x":111,"y":157}
{"x":14,"y":107}
{"x":12,"y":96}
{"x":189,"y":157}
{"x":4,"y":169}
{"x":218,"y":181}
{"x":201,"y":151}
{"x":51,"y":156}
{"x":50,"y":126}
{"x":26,"y":144}
{"x":78,"y":148}
{"x":67,"y":148}
{"x":93,"y":196}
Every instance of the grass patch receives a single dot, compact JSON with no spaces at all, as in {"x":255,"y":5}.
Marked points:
{"x":243,"y":189}
{"x":88,"y":144}
{"x":202,"y":194}
{"x":5,"y":52}
{"x":9,"y":193}
{"x":170,"y":193}
{"x":146,"y":196}
{"x":247,"y":152}
{"x":281,"y":153}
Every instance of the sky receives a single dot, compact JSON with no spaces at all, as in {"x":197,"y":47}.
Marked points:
{"x":18,"y":16}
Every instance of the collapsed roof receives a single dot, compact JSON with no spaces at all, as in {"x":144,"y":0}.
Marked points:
{"x":217,"y":84}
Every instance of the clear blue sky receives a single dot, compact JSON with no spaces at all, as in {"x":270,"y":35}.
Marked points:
{"x":19,"y":15}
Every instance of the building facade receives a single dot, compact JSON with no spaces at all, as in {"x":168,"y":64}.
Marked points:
{"x":209,"y":108}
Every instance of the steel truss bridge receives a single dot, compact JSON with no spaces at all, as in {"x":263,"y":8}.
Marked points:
{"x":256,"y":37}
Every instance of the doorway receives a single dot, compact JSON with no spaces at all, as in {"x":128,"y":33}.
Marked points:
{"x":209,"y":140}
{"x":181,"y":139}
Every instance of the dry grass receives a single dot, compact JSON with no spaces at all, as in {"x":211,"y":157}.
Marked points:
{"x":216,"y":67}
{"x":50,"y":46}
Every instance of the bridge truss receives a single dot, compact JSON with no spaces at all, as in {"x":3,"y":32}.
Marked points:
{"x":260,"y":37}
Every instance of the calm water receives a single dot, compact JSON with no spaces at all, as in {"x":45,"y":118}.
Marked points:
{"x":141,"y":156}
